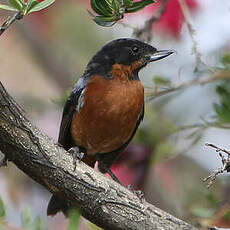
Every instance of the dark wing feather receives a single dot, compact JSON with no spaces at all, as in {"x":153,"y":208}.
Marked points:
{"x":107,"y":159}
{"x":71,"y":104}
{"x":56,"y":203}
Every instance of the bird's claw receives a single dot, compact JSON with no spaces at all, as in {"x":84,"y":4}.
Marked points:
{"x":77,"y":155}
{"x":138,"y":193}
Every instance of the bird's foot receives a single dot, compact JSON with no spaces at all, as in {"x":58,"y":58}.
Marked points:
{"x":3,"y":160}
{"x":77,"y":155}
{"x":104,"y":169}
{"x":138,"y":193}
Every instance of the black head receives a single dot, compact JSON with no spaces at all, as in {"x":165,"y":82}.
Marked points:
{"x":124,"y":51}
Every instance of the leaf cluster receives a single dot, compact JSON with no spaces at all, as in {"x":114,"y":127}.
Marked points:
{"x":28,"y":7}
{"x":110,"y":11}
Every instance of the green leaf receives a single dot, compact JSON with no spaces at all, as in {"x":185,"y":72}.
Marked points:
{"x":102,"y":7}
{"x":16,"y":4}
{"x":95,"y":7}
{"x":30,"y":5}
{"x":116,"y":6}
{"x":41,"y":5}
{"x":138,"y":6}
{"x":128,"y":2}
{"x":22,"y":2}
{"x":103,"y":21}
{"x":106,"y":7}
{"x":6,"y":7}
{"x":222,"y":109}
{"x":110,"y":11}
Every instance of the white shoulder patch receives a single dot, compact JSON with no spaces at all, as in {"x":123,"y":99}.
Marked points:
{"x":80,"y":102}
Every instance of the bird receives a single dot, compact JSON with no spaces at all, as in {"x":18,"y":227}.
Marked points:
{"x":105,"y":107}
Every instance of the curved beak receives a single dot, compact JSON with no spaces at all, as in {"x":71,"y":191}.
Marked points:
{"x":158,"y":55}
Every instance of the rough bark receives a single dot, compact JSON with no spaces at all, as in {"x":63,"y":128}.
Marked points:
{"x":101,"y":200}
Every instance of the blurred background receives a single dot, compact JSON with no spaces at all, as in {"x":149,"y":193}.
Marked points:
{"x":45,"y":53}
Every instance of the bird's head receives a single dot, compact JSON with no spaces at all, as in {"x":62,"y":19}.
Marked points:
{"x":126,"y":54}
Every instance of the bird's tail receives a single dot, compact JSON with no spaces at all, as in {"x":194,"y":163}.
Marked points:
{"x":56,"y":205}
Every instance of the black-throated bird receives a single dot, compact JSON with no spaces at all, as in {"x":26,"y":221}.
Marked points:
{"x":106,"y":106}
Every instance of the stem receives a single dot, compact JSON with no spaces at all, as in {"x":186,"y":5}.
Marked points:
{"x":10,"y":21}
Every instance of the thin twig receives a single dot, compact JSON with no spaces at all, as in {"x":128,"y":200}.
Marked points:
{"x":225,"y":164}
{"x":194,"y":82}
{"x":9,"y":21}
{"x":144,"y":33}
{"x":192,"y":32}
{"x":204,"y":125}
{"x":218,"y":149}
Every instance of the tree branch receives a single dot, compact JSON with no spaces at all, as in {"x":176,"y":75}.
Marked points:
{"x":144,"y":33}
{"x":6,"y":24}
{"x":191,"y":30}
{"x":225,"y":164}
{"x":215,"y":77}
{"x":101,"y":200}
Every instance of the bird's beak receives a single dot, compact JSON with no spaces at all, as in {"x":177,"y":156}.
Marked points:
{"x":159,"y":55}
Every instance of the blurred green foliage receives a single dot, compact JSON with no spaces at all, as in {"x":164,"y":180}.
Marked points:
{"x":222,"y":109}
{"x":60,"y":101}
{"x":74,"y":217}
{"x":153,"y":129}
{"x":2,"y":211}
{"x":161,"y":81}
{"x":226,"y":216}
{"x":226,"y":60}
{"x":207,"y":209}
{"x":28,"y":223}
{"x":164,"y":150}
{"x":154,"y":132}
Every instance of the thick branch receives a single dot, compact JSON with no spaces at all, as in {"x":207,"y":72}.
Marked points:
{"x":100,"y":199}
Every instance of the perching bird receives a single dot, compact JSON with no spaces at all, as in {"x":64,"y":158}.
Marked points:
{"x":106,"y":106}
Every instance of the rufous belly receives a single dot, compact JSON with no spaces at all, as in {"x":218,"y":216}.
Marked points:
{"x":109,"y":114}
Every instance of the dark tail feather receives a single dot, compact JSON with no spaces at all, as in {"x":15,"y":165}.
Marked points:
{"x":57,"y":205}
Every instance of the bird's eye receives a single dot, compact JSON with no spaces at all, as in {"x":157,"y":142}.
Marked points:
{"x":135,"y":49}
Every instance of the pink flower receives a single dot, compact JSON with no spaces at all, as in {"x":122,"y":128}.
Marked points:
{"x":172,"y":19}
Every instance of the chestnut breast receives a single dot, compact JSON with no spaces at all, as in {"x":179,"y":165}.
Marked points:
{"x":109,"y":113}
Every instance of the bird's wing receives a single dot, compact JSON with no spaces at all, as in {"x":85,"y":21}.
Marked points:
{"x":72,"y":104}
